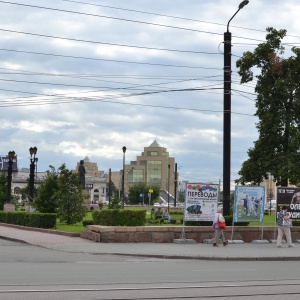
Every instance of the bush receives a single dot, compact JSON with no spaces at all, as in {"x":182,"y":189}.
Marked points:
{"x":179,"y":212}
{"x":119,"y":217}
{"x":39,"y":220}
{"x":228,"y":220}
{"x":87,"y":222}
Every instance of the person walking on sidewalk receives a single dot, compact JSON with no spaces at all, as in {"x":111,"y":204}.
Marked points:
{"x":284,"y":227}
{"x":216,"y":225}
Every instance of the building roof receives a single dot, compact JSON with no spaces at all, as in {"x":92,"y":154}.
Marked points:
{"x":155,"y":144}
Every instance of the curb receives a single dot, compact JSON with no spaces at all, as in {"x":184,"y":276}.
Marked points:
{"x":70,"y":234}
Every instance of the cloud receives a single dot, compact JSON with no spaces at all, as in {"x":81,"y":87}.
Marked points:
{"x":77,"y":99}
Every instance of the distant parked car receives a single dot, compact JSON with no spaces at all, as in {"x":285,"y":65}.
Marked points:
{"x":156,"y":204}
{"x":268,"y":206}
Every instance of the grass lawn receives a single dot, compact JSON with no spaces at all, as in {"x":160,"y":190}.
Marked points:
{"x":269,"y":220}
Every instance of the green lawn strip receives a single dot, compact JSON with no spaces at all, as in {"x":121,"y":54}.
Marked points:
{"x":269,"y":220}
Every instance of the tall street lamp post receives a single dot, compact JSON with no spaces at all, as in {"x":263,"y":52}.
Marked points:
{"x":11,"y":155}
{"x":33,"y":160}
{"x":123,"y":176}
{"x":227,"y":115}
{"x":168,"y":188}
{"x":175,"y":186}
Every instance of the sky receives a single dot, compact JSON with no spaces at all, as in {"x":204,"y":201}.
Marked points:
{"x":85,"y":78}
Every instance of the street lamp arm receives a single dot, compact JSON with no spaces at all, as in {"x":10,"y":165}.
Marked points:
{"x":242,"y":4}
{"x":231,"y":19}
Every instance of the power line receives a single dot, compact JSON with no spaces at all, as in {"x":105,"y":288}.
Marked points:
{"x":107,"y":60}
{"x":87,"y":76}
{"x":162,"y":15}
{"x":123,"y":19}
{"x":72,"y":100}
{"x":105,"y":43}
{"x":107,"y":17}
{"x":135,"y":86}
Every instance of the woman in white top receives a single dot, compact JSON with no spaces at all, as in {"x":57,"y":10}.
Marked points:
{"x":218,"y":231}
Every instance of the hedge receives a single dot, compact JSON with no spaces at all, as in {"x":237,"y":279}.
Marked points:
{"x":228,"y":220}
{"x":119,"y":217}
{"x":39,"y":220}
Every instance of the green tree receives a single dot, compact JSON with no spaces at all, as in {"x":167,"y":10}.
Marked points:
{"x":69,"y":197}
{"x":136,"y":190}
{"x":3,"y":189}
{"x":181,"y":197}
{"x":114,"y":191}
{"x":278,"y":110}
{"x":155,"y":194}
{"x":46,"y":200}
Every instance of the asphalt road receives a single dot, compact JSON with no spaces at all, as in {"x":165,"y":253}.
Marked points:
{"x":31,"y":272}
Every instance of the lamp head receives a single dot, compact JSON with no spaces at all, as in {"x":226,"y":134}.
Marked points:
{"x":243,"y":3}
{"x":11,"y":154}
{"x":124,"y":149}
{"x":32,"y":151}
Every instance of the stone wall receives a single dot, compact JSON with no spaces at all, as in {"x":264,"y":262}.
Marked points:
{"x":167,"y":234}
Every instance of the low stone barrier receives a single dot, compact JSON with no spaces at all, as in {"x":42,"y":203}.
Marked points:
{"x":167,"y":234}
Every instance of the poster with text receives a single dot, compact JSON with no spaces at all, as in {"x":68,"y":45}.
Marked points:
{"x":289,"y":197}
{"x":201,"y":202}
{"x":249,"y":204}
{"x":4,"y":163}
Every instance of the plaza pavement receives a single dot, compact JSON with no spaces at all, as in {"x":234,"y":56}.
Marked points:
{"x":200,"y":251}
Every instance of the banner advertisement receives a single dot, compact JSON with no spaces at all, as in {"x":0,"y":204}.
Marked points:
{"x":289,"y":196}
{"x":201,"y":202}
{"x":4,"y":163}
{"x":249,"y":204}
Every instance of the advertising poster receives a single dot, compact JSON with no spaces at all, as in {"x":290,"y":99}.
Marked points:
{"x":249,"y":204}
{"x":201,"y":202}
{"x":4,"y":163}
{"x":291,"y":198}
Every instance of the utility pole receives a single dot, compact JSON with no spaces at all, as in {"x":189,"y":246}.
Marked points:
{"x":227,"y":116}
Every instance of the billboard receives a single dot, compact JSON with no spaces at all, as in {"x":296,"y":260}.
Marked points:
{"x":249,"y":204}
{"x":4,"y":163}
{"x":201,"y":202}
{"x":291,"y":198}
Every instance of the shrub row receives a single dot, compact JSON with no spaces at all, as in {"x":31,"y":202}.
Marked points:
{"x":176,"y":212}
{"x":228,"y":220}
{"x":119,"y":217}
{"x":39,"y":220}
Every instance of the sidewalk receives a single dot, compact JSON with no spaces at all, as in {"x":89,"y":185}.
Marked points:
{"x":200,"y":251}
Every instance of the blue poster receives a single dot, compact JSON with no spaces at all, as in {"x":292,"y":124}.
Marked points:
{"x":249,"y":204}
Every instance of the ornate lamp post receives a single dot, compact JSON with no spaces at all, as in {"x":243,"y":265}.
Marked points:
{"x":227,"y":115}
{"x":123,"y":176}
{"x":33,"y":160}
{"x":11,"y":155}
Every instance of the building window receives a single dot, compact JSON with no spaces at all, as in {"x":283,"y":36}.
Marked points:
{"x":96,"y":196}
{"x":135,"y":176}
{"x":17,"y":190}
{"x":154,"y":172}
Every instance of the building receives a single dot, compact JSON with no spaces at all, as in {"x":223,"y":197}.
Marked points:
{"x":95,"y":182}
{"x":154,"y":167}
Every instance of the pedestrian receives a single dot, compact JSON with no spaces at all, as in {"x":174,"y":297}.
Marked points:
{"x":166,"y":215}
{"x":100,"y":204}
{"x":219,"y":231}
{"x":284,"y":228}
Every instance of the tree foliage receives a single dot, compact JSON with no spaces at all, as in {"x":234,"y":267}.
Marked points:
{"x":46,"y":200}
{"x":3,"y":189}
{"x":278,"y":111}
{"x":69,"y":197}
{"x":142,"y":188}
{"x":61,"y":193}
